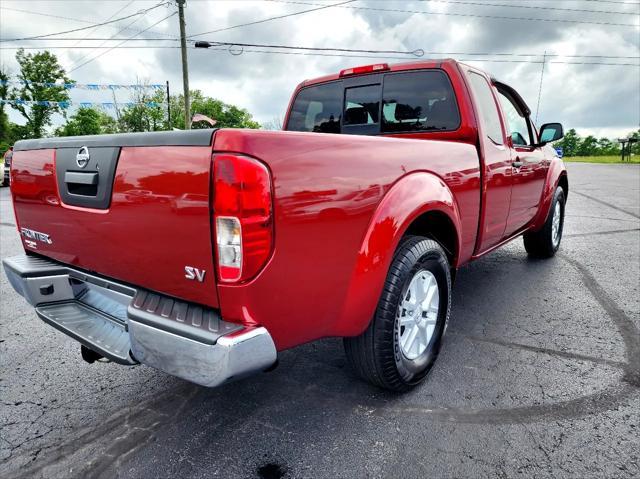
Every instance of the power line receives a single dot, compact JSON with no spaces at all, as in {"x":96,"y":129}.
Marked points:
{"x":202,"y":44}
{"x":417,"y":52}
{"x":91,"y":24}
{"x":609,"y":1}
{"x":84,"y":57}
{"x":140,"y":12}
{"x":376,"y":57}
{"x":124,"y":41}
{"x":110,"y":17}
{"x":468,"y":15}
{"x":19,"y":10}
{"x":55,"y":47}
{"x":272,"y":18}
{"x":529,"y":6}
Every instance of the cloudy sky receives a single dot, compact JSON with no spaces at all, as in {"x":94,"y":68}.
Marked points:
{"x":591,"y":77}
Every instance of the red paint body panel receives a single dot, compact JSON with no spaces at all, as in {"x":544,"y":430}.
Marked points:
{"x":341,"y":204}
{"x":339,"y":211}
{"x":145,"y":238}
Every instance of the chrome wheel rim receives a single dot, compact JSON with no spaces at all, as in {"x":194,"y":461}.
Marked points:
{"x":555,"y":224}
{"x":418,"y":314}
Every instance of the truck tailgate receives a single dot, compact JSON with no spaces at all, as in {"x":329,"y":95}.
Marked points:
{"x":138,"y":211}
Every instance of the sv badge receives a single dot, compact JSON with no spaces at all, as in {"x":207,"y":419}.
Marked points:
{"x":194,"y":273}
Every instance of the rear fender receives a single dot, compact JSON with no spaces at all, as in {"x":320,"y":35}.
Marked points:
{"x":409,"y":198}
{"x":556,"y":171}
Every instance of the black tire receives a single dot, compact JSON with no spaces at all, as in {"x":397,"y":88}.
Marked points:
{"x":540,"y":244}
{"x":376,"y":355}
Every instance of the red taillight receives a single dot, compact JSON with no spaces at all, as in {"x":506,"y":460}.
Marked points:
{"x":242,"y":211}
{"x":378,"y":67}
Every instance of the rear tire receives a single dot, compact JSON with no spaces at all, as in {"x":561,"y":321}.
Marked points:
{"x":403,"y":339}
{"x":545,"y":242}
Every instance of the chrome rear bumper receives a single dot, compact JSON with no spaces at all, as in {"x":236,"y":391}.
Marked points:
{"x":129,"y":325}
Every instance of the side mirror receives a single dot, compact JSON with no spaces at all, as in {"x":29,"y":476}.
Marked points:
{"x":550,"y":132}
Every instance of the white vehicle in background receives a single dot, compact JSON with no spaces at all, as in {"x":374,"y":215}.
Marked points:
{"x":189,"y":202}
{"x":5,"y":166}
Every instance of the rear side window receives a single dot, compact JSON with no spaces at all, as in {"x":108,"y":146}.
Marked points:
{"x":488,"y":108}
{"x":317,"y":109}
{"x":418,"y":101}
{"x":517,"y":125}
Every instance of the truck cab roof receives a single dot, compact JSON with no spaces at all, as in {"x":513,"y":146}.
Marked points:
{"x":395,"y":67}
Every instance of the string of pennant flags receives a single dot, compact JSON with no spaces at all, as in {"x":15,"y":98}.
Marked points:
{"x":86,"y":86}
{"x":82,"y":104}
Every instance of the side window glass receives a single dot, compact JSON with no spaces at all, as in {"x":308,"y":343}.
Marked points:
{"x":418,"y":101}
{"x":317,"y":108}
{"x":362,"y":105}
{"x":488,"y":109}
{"x":517,"y":126}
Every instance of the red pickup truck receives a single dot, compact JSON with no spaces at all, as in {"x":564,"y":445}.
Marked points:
{"x":203,"y":253}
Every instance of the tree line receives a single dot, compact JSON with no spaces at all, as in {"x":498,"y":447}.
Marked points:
{"x":574,"y":145}
{"x":37,"y":69}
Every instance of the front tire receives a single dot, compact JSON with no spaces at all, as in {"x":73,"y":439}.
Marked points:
{"x":545,"y":242}
{"x":402,"y":341}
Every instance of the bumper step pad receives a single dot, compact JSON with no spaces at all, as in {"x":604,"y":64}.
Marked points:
{"x":178,"y":317}
{"x":96,"y":331}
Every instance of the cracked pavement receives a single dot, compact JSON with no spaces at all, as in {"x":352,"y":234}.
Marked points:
{"x":539,"y":375}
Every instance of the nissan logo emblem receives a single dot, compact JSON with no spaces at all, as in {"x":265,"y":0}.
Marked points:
{"x":82,"y":157}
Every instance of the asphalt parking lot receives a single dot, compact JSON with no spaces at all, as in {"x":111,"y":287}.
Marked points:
{"x":539,"y":377}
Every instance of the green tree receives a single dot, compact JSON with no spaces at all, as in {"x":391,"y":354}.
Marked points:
{"x":588,"y":146}
{"x":635,"y":147}
{"x":275,"y":124}
{"x":226,"y":115}
{"x":142,"y":117}
{"x":569,"y":143}
{"x":5,"y":132}
{"x":9,"y":131}
{"x":606,"y":147}
{"x":40,"y":67}
{"x":88,"y":121}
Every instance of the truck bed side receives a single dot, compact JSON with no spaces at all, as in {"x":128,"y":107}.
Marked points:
{"x":327,"y":189}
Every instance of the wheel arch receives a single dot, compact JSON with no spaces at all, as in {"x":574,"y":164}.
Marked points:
{"x":418,"y":204}
{"x":557,"y":176}
{"x":563,"y":182}
{"x":438,"y":226}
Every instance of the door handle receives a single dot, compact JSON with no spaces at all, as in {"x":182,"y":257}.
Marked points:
{"x":80,"y":178}
{"x":517,"y":164}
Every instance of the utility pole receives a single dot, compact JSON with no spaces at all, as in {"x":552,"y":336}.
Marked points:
{"x":168,"y":108}
{"x":185,"y":67}
{"x":115,"y":106}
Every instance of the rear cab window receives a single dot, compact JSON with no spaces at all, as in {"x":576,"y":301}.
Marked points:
{"x":396,"y":102}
